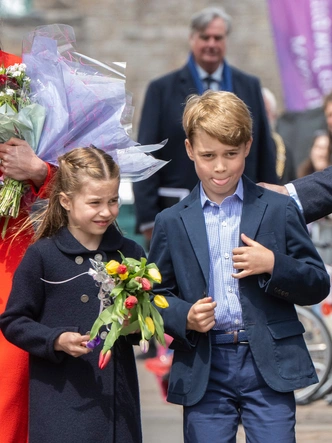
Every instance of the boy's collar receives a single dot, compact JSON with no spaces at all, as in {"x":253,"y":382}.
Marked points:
{"x":238,"y":192}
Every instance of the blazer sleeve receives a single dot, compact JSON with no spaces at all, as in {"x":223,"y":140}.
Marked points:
{"x":175,"y":316}
{"x":299,"y":275}
{"x":19,"y":323}
{"x":315,"y":194}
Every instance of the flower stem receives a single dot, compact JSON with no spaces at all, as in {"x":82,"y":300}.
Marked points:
{"x":10,"y":200}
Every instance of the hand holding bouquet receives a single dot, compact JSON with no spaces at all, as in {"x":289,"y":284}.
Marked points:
{"x":125,"y":292}
{"x":82,"y":101}
{"x":21,"y":119}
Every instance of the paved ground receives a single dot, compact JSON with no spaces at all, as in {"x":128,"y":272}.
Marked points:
{"x":162,"y":422}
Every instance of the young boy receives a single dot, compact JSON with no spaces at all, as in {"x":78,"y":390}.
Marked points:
{"x":234,"y":258}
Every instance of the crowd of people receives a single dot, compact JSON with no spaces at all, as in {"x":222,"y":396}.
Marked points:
{"x":235,"y":258}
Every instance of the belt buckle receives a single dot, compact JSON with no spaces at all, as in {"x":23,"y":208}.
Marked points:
{"x":236,"y":336}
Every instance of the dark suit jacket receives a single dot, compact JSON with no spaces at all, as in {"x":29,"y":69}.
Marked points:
{"x":315,"y":194}
{"x":162,"y":119}
{"x":180,"y":248}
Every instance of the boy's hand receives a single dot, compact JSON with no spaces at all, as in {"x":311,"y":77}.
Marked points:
{"x":252,"y":259}
{"x":201,"y":315}
{"x":72,"y":343}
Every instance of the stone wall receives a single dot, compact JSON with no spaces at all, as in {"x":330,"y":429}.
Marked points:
{"x":152,"y":36}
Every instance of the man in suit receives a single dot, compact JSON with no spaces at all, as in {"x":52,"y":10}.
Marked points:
{"x":163,"y":108}
{"x":235,"y":258}
{"x":313,"y":192}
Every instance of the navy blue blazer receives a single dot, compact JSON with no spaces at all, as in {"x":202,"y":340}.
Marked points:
{"x":161,"y":119}
{"x":180,"y":249}
{"x":315,"y":194}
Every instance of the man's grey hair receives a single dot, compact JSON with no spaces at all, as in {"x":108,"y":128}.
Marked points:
{"x":201,"y":20}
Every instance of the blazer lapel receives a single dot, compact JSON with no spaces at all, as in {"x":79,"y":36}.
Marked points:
{"x":187,"y":84}
{"x":253,"y":209}
{"x":194,"y":223}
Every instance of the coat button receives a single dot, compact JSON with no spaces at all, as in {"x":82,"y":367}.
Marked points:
{"x":79,"y":260}
{"x":84,"y":298}
{"x":98,"y":257}
{"x":103,"y":335}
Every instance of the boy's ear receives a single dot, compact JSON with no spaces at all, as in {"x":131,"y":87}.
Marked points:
{"x":189,"y":149}
{"x":248,"y":146}
{"x":64,"y":201}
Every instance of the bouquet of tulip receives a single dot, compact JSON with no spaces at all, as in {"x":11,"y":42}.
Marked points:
{"x":21,"y":119}
{"x":125,"y":295}
{"x":84,"y":101}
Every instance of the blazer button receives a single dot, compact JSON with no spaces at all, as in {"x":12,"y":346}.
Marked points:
{"x":286,"y":294}
{"x":84,"y":298}
{"x":98,"y":257}
{"x":283,"y":293}
{"x":103,"y":335}
{"x":79,"y":260}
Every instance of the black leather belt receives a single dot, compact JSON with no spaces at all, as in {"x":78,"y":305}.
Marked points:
{"x":228,"y":337}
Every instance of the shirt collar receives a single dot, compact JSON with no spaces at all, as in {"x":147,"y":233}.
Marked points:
{"x":238,"y":192}
{"x":216,"y":75}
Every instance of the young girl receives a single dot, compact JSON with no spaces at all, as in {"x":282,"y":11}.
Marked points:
{"x":71,"y":399}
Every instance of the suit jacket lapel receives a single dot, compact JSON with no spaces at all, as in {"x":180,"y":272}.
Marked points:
{"x":187,"y":83}
{"x":194,"y":223}
{"x":253,"y":209}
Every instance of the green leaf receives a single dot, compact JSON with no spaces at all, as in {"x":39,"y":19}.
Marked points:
{"x":106,"y":315}
{"x":112,"y":336}
{"x":143,"y":262}
{"x":95,"y":328}
{"x":117,"y":290}
{"x":159,"y":325}
{"x":132,"y":327}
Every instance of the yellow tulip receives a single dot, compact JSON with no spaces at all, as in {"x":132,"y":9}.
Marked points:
{"x":160,"y":301}
{"x":112,"y":267}
{"x":155,"y":275}
{"x":149,"y":323}
{"x":124,"y":276}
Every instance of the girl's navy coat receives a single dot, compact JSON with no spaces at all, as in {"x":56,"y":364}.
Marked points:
{"x":71,"y":399}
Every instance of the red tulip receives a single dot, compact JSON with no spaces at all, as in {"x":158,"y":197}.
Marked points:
{"x":145,"y":282}
{"x":104,"y":359}
{"x":130,"y":302}
{"x":122,"y":269}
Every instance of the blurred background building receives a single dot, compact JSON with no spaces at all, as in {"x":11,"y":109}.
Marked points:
{"x":151,"y":36}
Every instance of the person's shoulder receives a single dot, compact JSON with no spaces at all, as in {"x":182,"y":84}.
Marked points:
{"x":175,"y":210}
{"x":264,"y":193}
{"x":244,"y":75}
{"x":168,"y":77}
{"x":275,"y":197}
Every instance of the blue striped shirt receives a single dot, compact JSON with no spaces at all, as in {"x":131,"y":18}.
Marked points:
{"x":223,"y":232}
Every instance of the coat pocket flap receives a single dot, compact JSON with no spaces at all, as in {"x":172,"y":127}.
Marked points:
{"x":286,"y":329}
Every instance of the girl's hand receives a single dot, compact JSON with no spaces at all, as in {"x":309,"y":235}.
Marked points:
{"x":72,"y":343}
{"x":201,"y":315}
{"x":252,"y":259}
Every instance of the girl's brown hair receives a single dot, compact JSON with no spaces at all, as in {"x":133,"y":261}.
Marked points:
{"x":76,"y":168}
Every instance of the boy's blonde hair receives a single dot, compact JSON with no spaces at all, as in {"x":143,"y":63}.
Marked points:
{"x":222,"y":115}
